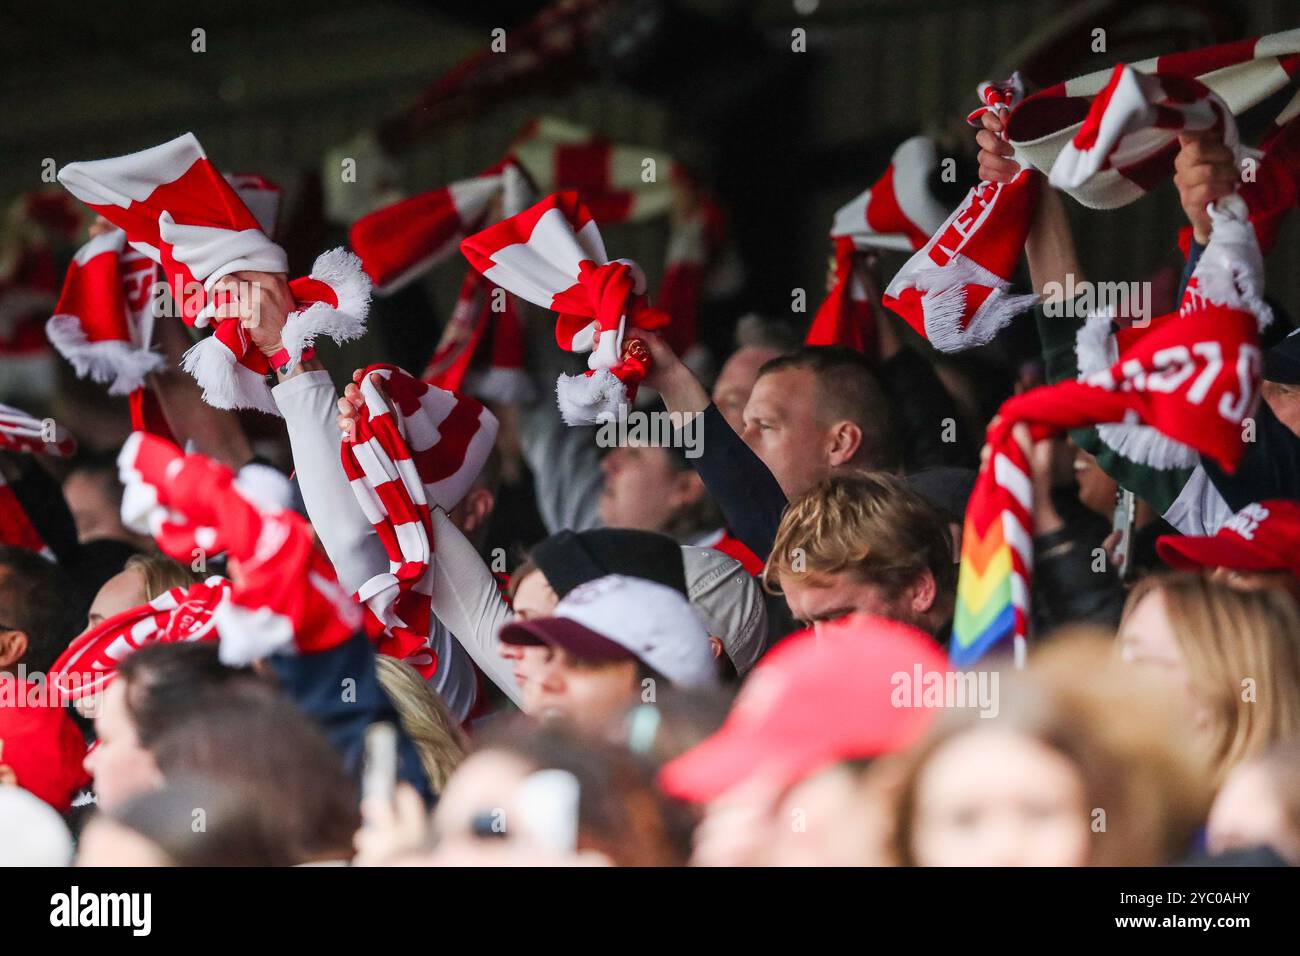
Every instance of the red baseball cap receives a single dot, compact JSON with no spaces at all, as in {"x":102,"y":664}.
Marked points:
{"x":42,"y":745}
{"x":1263,"y":536}
{"x":812,"y":701}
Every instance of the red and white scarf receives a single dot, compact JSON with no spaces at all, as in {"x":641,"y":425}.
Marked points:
{"x":619,"y":182}
{"x":101,"y":320}
{"x":481,"y":350}
{"x":21,"y":433}
{"x":1242,"y":73}
{"x":1125,"y":142}
{"x":401,"y":242}
{"x":898,"y":212}
{"x":956,"y":290}
{"x":177,"y":209}
{"x":285,"y":598}
{"x":176,"y":616}
{"x":413,"y":448}
{"x":552,"y":255}
{"x":1193,"y":377}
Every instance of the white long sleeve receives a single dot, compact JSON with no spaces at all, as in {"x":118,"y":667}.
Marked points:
{"x":308,"y":404}
{"x":466,"y":598}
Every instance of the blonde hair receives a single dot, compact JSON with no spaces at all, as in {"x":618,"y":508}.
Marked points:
{"x":872,"y":523}
{"x":160,"y":573}
{"x":1113,"y":724}
{"x":438,"y":739}
{"x":1227,"y":636}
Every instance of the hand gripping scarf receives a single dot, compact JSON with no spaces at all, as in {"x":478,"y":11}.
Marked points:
{"x":552,"y":255}
{"x":413,"y":448}
{"x":1241,"y":74}
{"x":179,"y":211}
{"x":1193,"y":377}
{"x":898,"y":212}
{"x":1132,"y":128}
{"x":955,"y":290}
{"x":284,"y":599}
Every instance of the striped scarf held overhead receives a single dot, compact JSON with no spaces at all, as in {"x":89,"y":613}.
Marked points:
{"x":1192,"y":376}
{"x":552,"y":255}
{"x":178,"y":210}
{"x":956,"y":290}
{"x":897,"y":212}
{"x":1065,"y":118}
{"x":413,"y":448}
{"x":1132,"y":128}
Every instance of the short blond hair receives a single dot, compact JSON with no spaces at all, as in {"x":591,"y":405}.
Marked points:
{"x":1227,"y":636}
{"x":871,"y":523}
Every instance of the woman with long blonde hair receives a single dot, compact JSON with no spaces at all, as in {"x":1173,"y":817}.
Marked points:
{"x":1235,"y":653}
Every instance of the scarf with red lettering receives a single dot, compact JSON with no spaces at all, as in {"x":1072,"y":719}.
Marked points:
{"x":1192,"y":377}
{"x":175,"y":616}
{"x":955,"y":291}
{"x":898,"y":212}
{"x":413,"y":448}
{"x":179,"y":211}
{"x":284,"y":598}
{"x":552,"y":255}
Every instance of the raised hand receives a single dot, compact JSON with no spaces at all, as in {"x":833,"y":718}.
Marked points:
{"x":1204,"y":170}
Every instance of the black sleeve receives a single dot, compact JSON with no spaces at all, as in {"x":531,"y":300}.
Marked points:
{"x":923,"y":410}
{"x":1072,"y":584}
{"x":740,"y":484}
{"x":340,"y":690}
{"x":1270,"y":467}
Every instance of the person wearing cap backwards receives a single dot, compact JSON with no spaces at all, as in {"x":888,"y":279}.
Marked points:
{"x":609,"y":644}
{"x":1258,"y":547}
{"x":794,"y":776}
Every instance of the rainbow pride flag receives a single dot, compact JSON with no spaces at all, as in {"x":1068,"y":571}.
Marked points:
{"x":996,"y":559}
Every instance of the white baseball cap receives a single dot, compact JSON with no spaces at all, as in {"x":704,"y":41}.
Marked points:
{"x":625,"y":618}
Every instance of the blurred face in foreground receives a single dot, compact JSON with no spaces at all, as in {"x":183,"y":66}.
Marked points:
{"x":105,"y":843}
{"x":994,"y":798}
{"x":479,"y":799}
{"x":1250,"y":812}
{"x":120,"y":766}
{"x":1147,"y":638}
{"x":837,"y":816}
